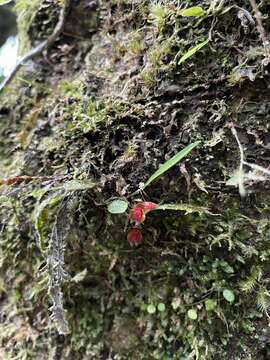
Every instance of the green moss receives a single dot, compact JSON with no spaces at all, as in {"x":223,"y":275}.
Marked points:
{"x":158,"y":15}
{"x":159,"y":51}
{"x":26,"y":11}
{"x":149,"y":77}
{"x":85,"y":114}
{"x":71,"y":88}
{"x":135,"y":45}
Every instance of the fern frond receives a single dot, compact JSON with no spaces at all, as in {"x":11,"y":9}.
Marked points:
{"x":248,"y":285}
{"x":56,"y":262}
{"x":210,"y":276}
{"x":263,"y":300}
{"x":256,"y":272}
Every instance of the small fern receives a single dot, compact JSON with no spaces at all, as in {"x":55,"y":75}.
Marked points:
{"x":53,"y":246}
{"x":252,"y":281}
{"x":256,"y":272}
{"x":248,"y":285}
{"x":263,"y":300}
{"x":56,"y":262}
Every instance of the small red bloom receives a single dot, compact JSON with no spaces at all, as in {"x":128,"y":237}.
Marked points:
{"x":134,"y":236}
{"x":140,"y":210}
{"x":137,"y":214}
{"x":147,"y":206}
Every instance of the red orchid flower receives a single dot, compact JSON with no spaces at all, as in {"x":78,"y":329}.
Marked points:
{"x":140,"y":210}
{"x":134,"y":236}
{"x":137,"y":214}
{"x":147,"y":206}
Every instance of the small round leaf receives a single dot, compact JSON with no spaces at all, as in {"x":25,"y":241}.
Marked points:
{"x":117,"y":206}
{"x":151,"y":309}
{"x":161,"y":307}
{"x":192,"y":314}
{"x":228,"y":295}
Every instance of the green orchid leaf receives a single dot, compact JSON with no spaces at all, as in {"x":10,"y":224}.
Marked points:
{"x":192,"y":11}
{"x":192,"y":51}
{"x":117,"y":206}
{"x":171,"y":162}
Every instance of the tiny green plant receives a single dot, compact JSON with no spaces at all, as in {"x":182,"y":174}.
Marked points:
{"x":228,"y":295}
{"x":192,"y":11}
{"x":192,"y":314}
{"x":170,"y":163}
{"x":192,"y":51}
{"x":117,"y":206}
{"x":52,"y":245}
{"x":138,"y":213}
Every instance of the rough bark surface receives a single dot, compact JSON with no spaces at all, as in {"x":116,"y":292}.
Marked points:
{"x":126,"y":86}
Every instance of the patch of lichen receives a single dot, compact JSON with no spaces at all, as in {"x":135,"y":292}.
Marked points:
{"x":132,"y":107}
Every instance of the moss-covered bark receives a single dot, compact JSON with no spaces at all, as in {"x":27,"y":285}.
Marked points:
{"x":126,"y":86}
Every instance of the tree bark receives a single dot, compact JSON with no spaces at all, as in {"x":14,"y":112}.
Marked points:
{"x":124,"y":87}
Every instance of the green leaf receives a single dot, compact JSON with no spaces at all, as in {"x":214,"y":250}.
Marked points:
{"x":263,"y":301}
{"x":40,"y":226}
{"x":226,"y":267}
{"x":74,"y":185}
{"x":117,"y":206}
{"x":170,"y":163}
{"x":37,"y":194}
{"x":41,"y":213}
{"x":3,"y":2}
{"x":192,"y":11}
{"x":80,"y":276}
{"x":183,"y":207}
{"x":151,"y":309}
{"x":161,"y":307}
{"x":210,"y":304}
{"x":233,"y":180}
{"x":192,"y":314}
{"x":192,"y":51}
{"x":41,"y":217}
{"x":228,"y":295}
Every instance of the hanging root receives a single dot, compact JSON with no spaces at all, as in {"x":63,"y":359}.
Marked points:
{"x":241,"y":186}
{"x":241,"y":176}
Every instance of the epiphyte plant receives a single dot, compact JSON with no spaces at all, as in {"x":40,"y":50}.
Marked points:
{"x":138,"y":212}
